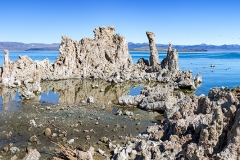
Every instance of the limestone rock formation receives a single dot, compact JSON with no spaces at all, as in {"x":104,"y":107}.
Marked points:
{"x":130,"y":100}
{"x":105,"y":57}
{"x":154,"y":60}
{"x":100,"y":57}
{"x":157,"y":98}
{"x":171,"y":61}
{"x":194,"y":128}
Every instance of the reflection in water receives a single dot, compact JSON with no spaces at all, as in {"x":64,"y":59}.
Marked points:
{"x":74,"y":91}
{"x":49,"y":97}
{"x":134,"y":91}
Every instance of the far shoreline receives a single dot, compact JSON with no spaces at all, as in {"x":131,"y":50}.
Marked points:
{"x":128,"y":50}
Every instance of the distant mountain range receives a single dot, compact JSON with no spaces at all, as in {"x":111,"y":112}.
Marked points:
{"x":183,"y":48}
{"x":16,"y":46}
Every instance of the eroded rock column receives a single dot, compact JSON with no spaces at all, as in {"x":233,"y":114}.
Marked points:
{"x":171,"y":61}
{"x":154,"y":60}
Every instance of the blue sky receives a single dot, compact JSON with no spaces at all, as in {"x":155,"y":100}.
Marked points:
{"x":176,"y":21}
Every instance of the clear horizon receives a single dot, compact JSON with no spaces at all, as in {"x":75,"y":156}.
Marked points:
{"x":213,"y":22}
{"x":128,"y":42}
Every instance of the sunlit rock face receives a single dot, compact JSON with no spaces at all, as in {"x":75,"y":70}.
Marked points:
{"x":105,"y":57}
{"x":154,"y":60}
{"x":99,"y":57}
{"x":171,"y":61}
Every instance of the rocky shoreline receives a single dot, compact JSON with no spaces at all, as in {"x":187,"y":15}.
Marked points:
{"x":193,"y":127}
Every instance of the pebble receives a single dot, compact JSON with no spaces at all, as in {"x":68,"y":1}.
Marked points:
{"x":47,"y":132}
{"x":33,"y":123}
{"x":104,"y":139}
{"x":90,"y":99}
{"x":88,"y":137}
{"x":99,"y":143}
{"x":71,"y":141}
{"x":33,"y":139}
{"x":86,"y":131}
{"x":101,"y":152}
{"x":14,"y":150}
{"x":5,"y":149}
{"x":14,"y":157}
{"x":54,"y":135}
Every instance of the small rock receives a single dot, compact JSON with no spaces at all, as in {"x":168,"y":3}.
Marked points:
{"x":33,"y":139}
{"x":104,"y":139}
{"x":88,"y":137}
{"x":128,"y":113}
{"x":99,"y":143}
{"x":32,"y":155}
{"x":33,"y":123}
{"x":90,"y":99}
{"x":14,"y":157}
{"x":119,"y":112}
{"x":101,"y":152}
{"x":14,"y":150}
{"x":54,"y":135}
{"x":71,"y":141}
{"x":5,"y":149}
{"x":9,"y":135}
{"x":47,"y":132}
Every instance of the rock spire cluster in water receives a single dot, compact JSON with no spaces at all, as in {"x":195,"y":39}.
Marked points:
{"x":104,"y":57}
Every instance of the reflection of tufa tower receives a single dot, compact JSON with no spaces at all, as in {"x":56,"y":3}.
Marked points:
{"x":154,"y":60}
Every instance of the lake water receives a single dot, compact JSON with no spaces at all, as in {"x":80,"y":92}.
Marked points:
{"x":225,"y":73}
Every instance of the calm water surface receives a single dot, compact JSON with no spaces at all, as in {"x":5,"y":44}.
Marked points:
{"x":225,"y":73}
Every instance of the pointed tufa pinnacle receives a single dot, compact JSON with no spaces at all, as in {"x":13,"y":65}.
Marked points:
{"x":154,"y":60}
{"x":6,"y":57}
{"x":169,"y":47}
{"x":171,"y":61}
